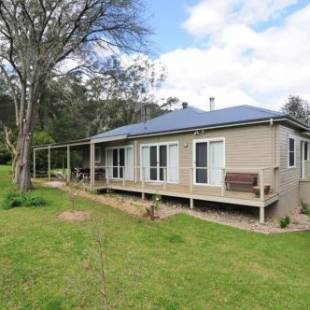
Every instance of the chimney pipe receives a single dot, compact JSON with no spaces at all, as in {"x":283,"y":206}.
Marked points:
{"x":184,"y":105}
{"x":212,"y":104}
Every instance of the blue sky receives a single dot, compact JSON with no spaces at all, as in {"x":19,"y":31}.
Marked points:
{"x":168,"y":16}
{"x":240,"y":51}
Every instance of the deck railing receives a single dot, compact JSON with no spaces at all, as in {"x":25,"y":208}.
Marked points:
{"x":162,"y":177}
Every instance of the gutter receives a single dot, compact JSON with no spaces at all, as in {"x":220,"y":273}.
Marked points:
{"x":109,"y":139}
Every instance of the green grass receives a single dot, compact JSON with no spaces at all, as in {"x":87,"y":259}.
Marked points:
{"x":178,"y":263}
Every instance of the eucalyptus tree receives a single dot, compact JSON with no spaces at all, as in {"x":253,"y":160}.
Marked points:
{"x":298,"y":108}
{"x":38,"y":36}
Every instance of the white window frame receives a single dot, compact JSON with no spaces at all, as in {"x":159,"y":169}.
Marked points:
{"x":206,"y":140}
{"x":99,"y":150}
{"x":125,"y":147}
{"x":289,"y":152}
{"x":157,"y":165}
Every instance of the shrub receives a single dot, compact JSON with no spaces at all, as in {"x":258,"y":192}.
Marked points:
{"x":16,"y":199}
{"x":35,"y":201}
{"x":13,"y":200}
{"x":305,"y":208}
{"x":285,"y":222}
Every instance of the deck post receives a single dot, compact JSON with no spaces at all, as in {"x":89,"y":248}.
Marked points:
{"x":49,"y":163}
{"x":92,"y":165}
{"x":68,"y":165}
{"x":34,"y":164}
{"x":262,"y":187}
{"x":191,"y":203}
{"x":262,"y":215}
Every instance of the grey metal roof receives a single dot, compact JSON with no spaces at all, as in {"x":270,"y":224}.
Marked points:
{"x":191,"y":118}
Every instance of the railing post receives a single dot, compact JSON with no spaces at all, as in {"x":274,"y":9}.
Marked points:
{"x":223,"y":183}
{"x":165,"y":177}
{"x":49,"y":163}
{"x":191,"y":175}
{"x":262,"y":187}
{"x":107,"y":175}
{"x":68,"y":164}
{"x":277,"y":181}
{"x":124,"y":171}
{"x":142,"y":183}
{"x":92,"y":165}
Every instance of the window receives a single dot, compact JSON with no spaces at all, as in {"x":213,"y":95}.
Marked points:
{"x":156,"y":159}
{"x":292,"y":153}
{"x":119,"y":162}
{"x":209,"y":161}
{"x":306,"y":149}
{"x":97,"y":155}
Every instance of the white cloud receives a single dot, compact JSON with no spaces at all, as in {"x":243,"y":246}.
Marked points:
{"x":243,"y":66}
{"x":211,"y":16}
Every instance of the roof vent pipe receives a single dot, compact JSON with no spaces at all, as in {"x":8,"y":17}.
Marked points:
{"x":184,"y":105}
{"x":212,"y":104}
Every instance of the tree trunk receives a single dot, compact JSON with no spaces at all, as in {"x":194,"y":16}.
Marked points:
{"x":23,"y":162}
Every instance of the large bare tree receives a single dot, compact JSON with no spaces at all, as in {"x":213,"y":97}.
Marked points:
{"x":37,"y":36}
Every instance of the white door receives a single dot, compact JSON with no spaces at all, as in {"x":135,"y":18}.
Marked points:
{"x":216,"y":162}
{"x":109,"y":163}
{"x":145,"y":167}
{"x":173,"y":163}
{"x":129,"y":163}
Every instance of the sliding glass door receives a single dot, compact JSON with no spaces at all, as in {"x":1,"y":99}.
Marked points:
{"x":209,"y":161}
{"x":158,"y":158}
{"x":119,"y":162}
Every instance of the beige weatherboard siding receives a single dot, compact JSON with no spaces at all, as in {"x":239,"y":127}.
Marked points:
{"x":245,"y":147}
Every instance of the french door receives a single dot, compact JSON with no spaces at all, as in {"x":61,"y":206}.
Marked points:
{"x":156,"y":158}
{"x":119,"y":162}
{"x":209,"y":161}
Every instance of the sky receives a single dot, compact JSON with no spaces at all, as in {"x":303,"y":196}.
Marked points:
{"x":239,"y":51}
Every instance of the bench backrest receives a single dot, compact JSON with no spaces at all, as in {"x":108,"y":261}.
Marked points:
{"x":241,"y":178}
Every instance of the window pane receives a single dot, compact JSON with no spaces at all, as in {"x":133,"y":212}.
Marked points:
{"x":162,"y":160}
{"x":292,"y":145}
{"x":292,"y":159}
{"x":306,"y":150}
{"x":115,"y":163}
{"x":201,"y":162}
{"x":153,"y":163}
{"x":121,"y":162}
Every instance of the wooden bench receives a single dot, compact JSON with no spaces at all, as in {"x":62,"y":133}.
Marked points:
{"x":234,"y":178}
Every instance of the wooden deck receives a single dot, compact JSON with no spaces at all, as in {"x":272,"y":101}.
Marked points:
{"x":205,"y":193}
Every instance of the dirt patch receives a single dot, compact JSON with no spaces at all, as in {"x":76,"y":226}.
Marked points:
{"x":54,"y":184}
{"x":72,"y":216}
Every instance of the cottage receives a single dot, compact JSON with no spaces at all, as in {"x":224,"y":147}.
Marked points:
{"x":243,"y":155}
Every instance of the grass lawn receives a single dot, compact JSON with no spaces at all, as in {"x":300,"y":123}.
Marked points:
{"x":177,"y":263}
